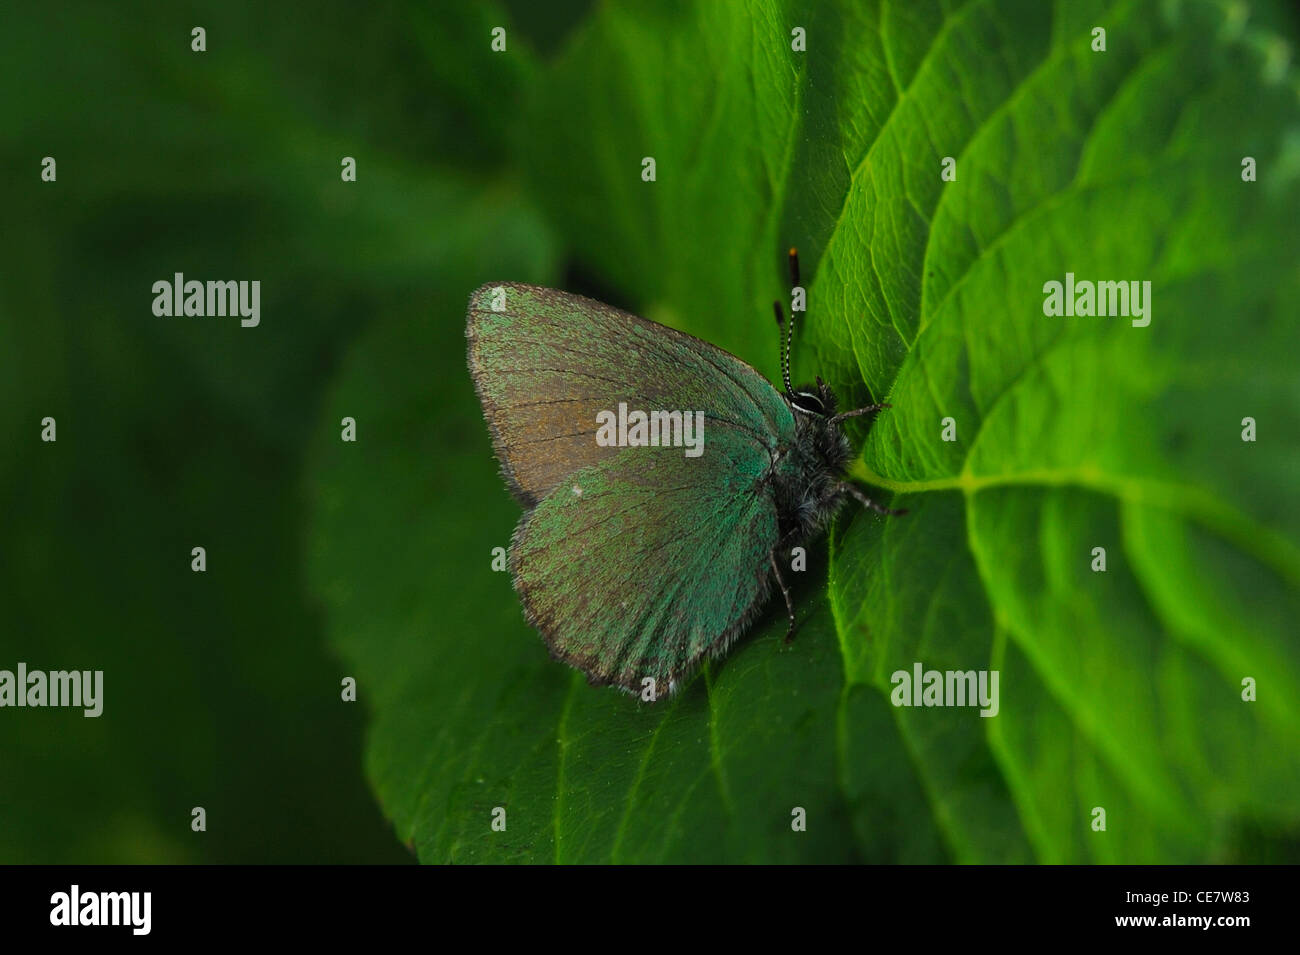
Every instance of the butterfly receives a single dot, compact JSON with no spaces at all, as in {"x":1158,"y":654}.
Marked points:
{"x":638,"y":554}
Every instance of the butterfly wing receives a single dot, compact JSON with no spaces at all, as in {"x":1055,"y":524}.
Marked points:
{"x":639,"y":565}
{"x":546,"y":362}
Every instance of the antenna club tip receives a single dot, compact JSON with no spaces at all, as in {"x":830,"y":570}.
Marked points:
{"x":793,"y":251}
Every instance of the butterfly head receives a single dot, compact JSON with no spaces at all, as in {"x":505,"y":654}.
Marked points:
{"x":809,"y":485}
{"x":818,"y":433}
{"x":817,"y":400}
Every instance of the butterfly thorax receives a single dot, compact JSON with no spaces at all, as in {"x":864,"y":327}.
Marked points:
{"x":807,"y":473}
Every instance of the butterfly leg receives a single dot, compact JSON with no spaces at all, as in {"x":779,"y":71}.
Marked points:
{"x":868,"y":502}
{"x":785,"y":592}
{"x":860,"y":411}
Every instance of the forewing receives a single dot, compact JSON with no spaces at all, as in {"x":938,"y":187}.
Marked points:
{"x":547,"y":362}
{"x":639,"y":565}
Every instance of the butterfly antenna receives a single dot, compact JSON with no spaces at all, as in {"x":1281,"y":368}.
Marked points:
{"x":785,"y":352}
{"x":789,"y":332}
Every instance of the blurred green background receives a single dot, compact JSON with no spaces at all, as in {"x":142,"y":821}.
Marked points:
{"x":220,"y":690}
{"x":371,"y":560}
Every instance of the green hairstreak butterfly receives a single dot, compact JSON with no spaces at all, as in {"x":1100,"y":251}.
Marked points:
{"x":663,"y":480}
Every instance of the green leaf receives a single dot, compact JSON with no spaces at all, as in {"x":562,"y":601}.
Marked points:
{"x":1119,"y":690}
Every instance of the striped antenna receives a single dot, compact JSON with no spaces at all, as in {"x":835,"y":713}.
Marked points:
{"x":785,"y":352}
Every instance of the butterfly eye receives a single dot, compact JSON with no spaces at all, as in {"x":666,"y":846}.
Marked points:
{"x":808,"y":403}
